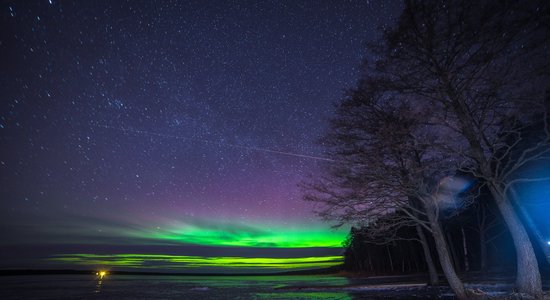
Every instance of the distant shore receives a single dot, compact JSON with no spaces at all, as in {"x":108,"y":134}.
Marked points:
{"x":17,"y":272}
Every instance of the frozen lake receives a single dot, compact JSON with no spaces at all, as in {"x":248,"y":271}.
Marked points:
{"x":234,"y":287}
{"x":167,"y":287}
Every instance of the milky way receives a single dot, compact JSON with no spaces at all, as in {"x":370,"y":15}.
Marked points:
{"x":161,"y":124}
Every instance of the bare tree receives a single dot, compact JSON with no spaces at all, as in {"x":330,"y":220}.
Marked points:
{"x":451,"y":85}
{"x":388,"y":172}
{"x":473,"y":67}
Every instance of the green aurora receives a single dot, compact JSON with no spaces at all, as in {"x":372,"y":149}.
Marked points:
{"x":272,"y":239}
{"x":175,"y":262}
{"x":247,"y":237}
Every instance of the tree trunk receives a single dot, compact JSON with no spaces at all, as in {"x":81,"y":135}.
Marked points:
{"x":432,"y":271}
{"x":482,"y":229}
{"x":447,"y":264}
{"x":465,"y":248}
{"x":414,"y":259}
{"x":534,"y":229}
{"x":445,"y":258}
{"x":370,"y":265}
{"x":483,"y":250}
{"x":391,"y":260}
{"x":528,"y":276}
{"x":356,"y":259}
{"x":452,"y":250}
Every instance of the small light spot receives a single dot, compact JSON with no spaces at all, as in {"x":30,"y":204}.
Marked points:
{"x":101,"y":274}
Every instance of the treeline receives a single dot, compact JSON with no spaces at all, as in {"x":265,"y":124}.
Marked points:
{"x":478,"y":241}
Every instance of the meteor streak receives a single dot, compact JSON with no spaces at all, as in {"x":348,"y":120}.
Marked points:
{"x":266,"y":150}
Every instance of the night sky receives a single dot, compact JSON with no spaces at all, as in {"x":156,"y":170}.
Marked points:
{"x":171,"y":134}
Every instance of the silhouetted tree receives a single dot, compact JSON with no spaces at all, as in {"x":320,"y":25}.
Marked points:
{"x":447,"y":80}
{"x":388,"y":171}
{"x":471,"y":66}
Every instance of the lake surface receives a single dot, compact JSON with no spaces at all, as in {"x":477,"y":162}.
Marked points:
{"x":167,"y":287}
{"x":241,"y":287}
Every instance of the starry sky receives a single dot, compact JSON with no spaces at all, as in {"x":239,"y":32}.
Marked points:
{"x":171,"y":134}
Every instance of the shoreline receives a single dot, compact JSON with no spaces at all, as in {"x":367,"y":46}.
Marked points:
{"x":24,"y":272}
